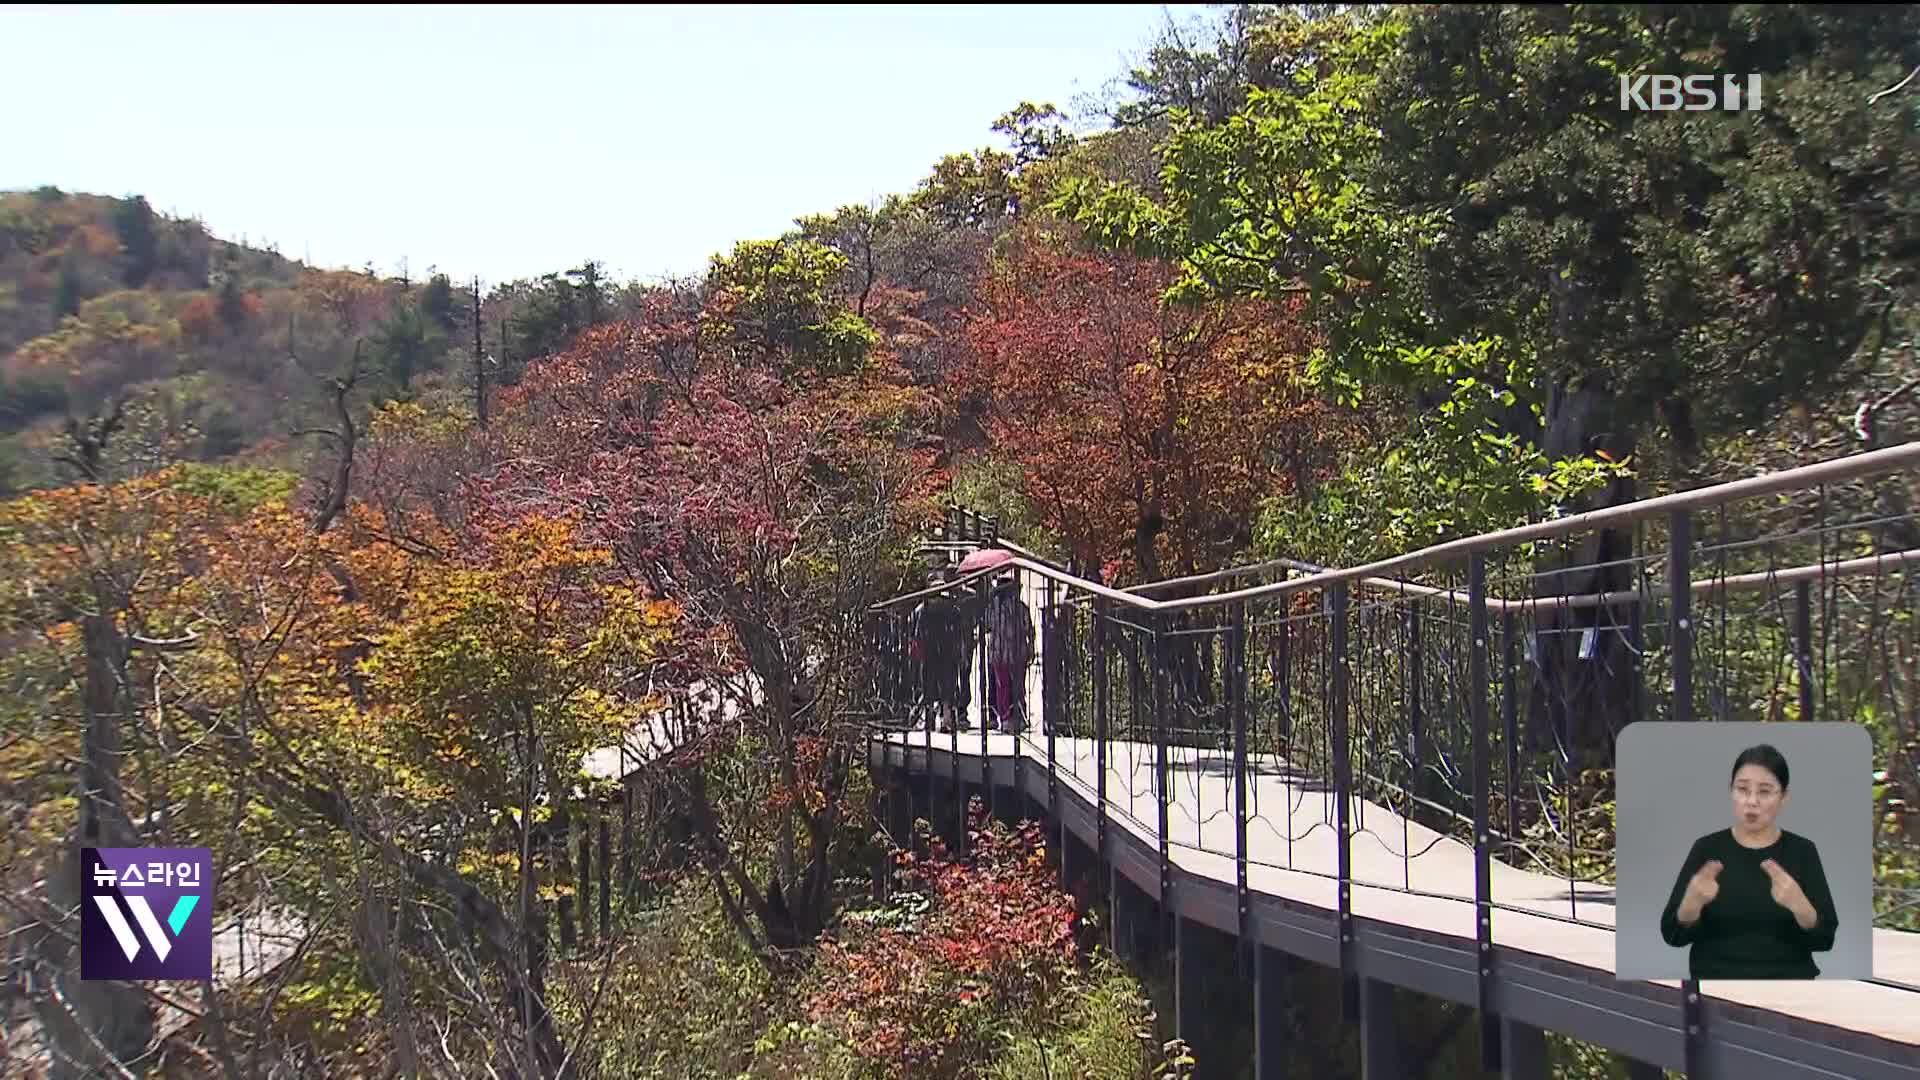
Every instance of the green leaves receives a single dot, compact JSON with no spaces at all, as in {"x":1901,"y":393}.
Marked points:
{"x":1452,"y":472}
{"x":774,"y":305}
{"x":1275,"y":201}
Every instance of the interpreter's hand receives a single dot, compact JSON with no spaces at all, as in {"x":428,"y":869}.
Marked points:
{"x":1786,"y":891}
{"x":1704,"y":885}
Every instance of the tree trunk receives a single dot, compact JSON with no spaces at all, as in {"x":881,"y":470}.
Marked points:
{"x":99,"y":1019}
{"x":373,"y":929}
{"x":1583,"y":669}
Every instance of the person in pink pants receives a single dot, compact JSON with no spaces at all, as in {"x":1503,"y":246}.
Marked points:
{"x":1010,"y":636}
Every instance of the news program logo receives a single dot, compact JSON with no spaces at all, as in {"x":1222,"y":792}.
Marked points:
{"x":1691,"y":93}
{"x":146,"y":913}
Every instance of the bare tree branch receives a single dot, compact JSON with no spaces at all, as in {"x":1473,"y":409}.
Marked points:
{"x":1896,"y":87}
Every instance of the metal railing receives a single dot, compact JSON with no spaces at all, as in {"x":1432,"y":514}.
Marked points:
{"x":1467,"y":695}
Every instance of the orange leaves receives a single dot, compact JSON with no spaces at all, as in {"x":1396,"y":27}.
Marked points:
{"x":527,"y":622}
{"x":205,"y":318}
{"x":353,"y":301}
{"x":64,"y":545}
{"x":1122,"y":409}
{"x":200,"y":318}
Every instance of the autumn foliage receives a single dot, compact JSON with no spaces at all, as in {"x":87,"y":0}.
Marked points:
{"x":308,"y":699}
{"x":751,"y":459}
{"x":995,"y":943}
{"x":1147,"y":432}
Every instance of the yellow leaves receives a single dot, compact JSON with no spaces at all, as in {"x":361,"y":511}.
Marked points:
{"x":50,"y":820}
{"x":472,"y":653}
{"x":396,"y":417}
{"x":504,"y":863}
{"x":412,"y":421}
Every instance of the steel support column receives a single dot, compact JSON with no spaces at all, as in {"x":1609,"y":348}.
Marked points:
{"x":1270,"y":1021}
{"x":1477,"y":680}
{"x":1379,"y":1037}
{"x":1343,"y":798}
{"x":1523,"y":1052}
{"x":1680,"y":641}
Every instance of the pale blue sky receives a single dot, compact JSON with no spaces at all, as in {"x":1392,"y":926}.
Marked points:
{"x":512,"y":141}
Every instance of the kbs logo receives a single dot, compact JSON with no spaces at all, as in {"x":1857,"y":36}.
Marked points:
{"x":1693,"y":93}
{"x":146,"y":883}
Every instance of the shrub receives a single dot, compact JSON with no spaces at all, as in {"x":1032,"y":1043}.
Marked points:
{"x":1107,"y":1035}
{"x":685,"y":999}
{"x":937,"y":994}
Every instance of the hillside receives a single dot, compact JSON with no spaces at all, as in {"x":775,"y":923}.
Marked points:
{"x":215,"y":351}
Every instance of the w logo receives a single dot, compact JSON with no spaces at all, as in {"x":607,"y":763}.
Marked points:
{"x":121,"y":933}
{"x":143,"y":914}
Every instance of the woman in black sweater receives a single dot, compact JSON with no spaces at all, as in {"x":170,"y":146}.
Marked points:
{"x":1752,"y":900}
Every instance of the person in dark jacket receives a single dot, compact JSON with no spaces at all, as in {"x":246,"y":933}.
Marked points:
{"x":942,"y":642}
{"x":916,"y":689}
{"x":1751,"y":901}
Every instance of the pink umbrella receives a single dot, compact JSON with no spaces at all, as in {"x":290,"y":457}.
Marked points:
{"x":985,"y":559}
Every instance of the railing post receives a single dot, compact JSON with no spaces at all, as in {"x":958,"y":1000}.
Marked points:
{"x":1053,"y":694}
{"x":953,"y":757}
{"x":1017,"y":685}
{"x":1416,"y":703}
{"x":921,"y":684}
{"x":1053,"y":687}
{"x":1237,"y":710}
{"x":1102,"y":702}
{"x":1343,"y":799}
{"x":1162,"y":673}
{"x":1803,"y":644}
{"x":985,"y":586}
{"x":1283,"y":682}
{"x":1477,"y":677}
{"x":1283,"y":699}
{"x":1680,"y":634}
{"x":1510,"y":715}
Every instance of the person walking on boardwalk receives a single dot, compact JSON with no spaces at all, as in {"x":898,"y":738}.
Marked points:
{"x":972,"y":603}
{"x":941,"y":636}
{"x":917,"y":688}
{"x":1009,"y":650}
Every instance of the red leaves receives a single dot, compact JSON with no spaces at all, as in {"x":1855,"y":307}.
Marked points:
{"x":714,"y":481}
{"x":998,"y":940}
{"x":1122,"y":409}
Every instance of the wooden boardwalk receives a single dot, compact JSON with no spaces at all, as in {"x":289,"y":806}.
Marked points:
{"x":1292,"y":855}
{"x":1412,"y":903}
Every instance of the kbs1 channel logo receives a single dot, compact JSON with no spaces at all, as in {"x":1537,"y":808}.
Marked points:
{"x":1689,"y":93}
{"x":146,"y":913}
